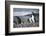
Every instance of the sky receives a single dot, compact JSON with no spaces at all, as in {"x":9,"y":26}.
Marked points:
{"x":23,"y":11}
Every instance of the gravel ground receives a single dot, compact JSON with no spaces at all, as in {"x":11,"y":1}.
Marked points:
{"x":26,"y":25}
